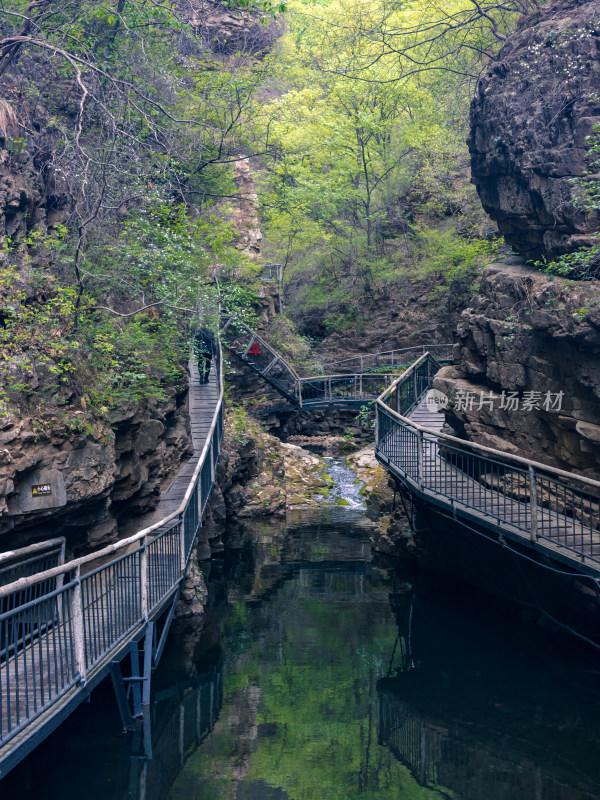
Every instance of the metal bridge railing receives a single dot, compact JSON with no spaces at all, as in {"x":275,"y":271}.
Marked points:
{"x":25,"y":561}
{"x":542,"y":502}
{"x":251,"y":348}
{"x":60,"y":626}
{"x":389,"y":358}
{"x":361,"y":383}
{"x":342,"y":388}
{"x":444,"y":756}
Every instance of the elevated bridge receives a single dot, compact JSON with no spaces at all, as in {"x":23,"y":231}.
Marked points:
{"x":64,"y":627}
{"x":348,"y":383}
{"x":543,"y":515}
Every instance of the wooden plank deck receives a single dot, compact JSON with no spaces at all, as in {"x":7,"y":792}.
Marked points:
{"x":202,"y":399}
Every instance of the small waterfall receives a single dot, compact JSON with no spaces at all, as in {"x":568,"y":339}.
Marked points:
{"x":346,"y":488}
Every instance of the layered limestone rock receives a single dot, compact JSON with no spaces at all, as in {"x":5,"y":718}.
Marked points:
{"x":526,"y":378}
{"x":377,"y":487}
{"x":230,"y":29}
{"x":530,"y":117}
{"x":81,"y":484}
{"x":260,"y":476}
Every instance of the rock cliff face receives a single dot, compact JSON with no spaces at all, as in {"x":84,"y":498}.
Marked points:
{"x":538,"y":339}
{"x":229,"y":30}
{"x":526,"y":378}
{"x":32,"y":193}
{"x":259,"y":476}
{"x":529,"y":120}
{"x":93,"y":480}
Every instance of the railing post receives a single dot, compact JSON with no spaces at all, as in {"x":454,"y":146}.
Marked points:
{"x":533,"y":507}
{"x":60,"y":580}
{"x":361,"y":384}
{"x":182,"y":542}
{"x":328,"y":389}
{"x":144,"y":579}
{"x":415,"y":386}
{"x":376,"y":426}
{"x":420,"y":457}
{"x":77,"y":627}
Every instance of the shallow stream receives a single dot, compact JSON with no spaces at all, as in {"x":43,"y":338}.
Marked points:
{"x":321,"y":674}
{"x":346,"y":489}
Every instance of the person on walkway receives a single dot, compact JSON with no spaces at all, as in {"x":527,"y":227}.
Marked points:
{"x":205,"y":349}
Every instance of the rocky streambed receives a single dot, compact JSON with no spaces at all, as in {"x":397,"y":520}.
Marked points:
{"x":261,"y":476}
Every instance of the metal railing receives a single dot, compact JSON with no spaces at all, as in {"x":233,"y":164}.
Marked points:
{"x":15,"y":564}
{"x":341,"y":389}
{"x":536,"y":500}
{"x":194,"y":709}
{"x":345,"y":388}
{"x":60,"y":626}
{"x":251,"y":348}
{"x":446,"y":756}
{"x":389,"y":358}
{"x":26,"y":561}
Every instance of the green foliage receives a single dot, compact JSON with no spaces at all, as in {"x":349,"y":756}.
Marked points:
{"x":365,"y":416}
{"x":57,"y":352}
{"x":355,"y":135}
{"x":587,"y":195}
{"x":148,"y":123}
{"x":582,"y":264}
{"x":296,"y":349}
{"x":452,"y":257}
{"x":264,"y":6}
{"x":241,"y":426}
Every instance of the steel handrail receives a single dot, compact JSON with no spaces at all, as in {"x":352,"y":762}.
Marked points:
{"x":257,"y":337}
{"x":80,"y":620}
{"x":500,"y":454}
{"x":24,"y":583}
{"x":349,"y":376}
{"x":48,"y":544}
{"x":399,"y":351}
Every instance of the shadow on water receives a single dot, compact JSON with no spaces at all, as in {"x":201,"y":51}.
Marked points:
{"x":478,"y":706}
{"x":321,"y":673}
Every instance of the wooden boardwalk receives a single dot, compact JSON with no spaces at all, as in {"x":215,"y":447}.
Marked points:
{"x":203,"y":399}
{"x":547,"y":510}
{"x":55,"y":649}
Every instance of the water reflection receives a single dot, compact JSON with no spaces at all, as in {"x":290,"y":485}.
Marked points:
{"x":182,"y":716}
{"x":477,"y":708}
{"x":319,"y":674}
